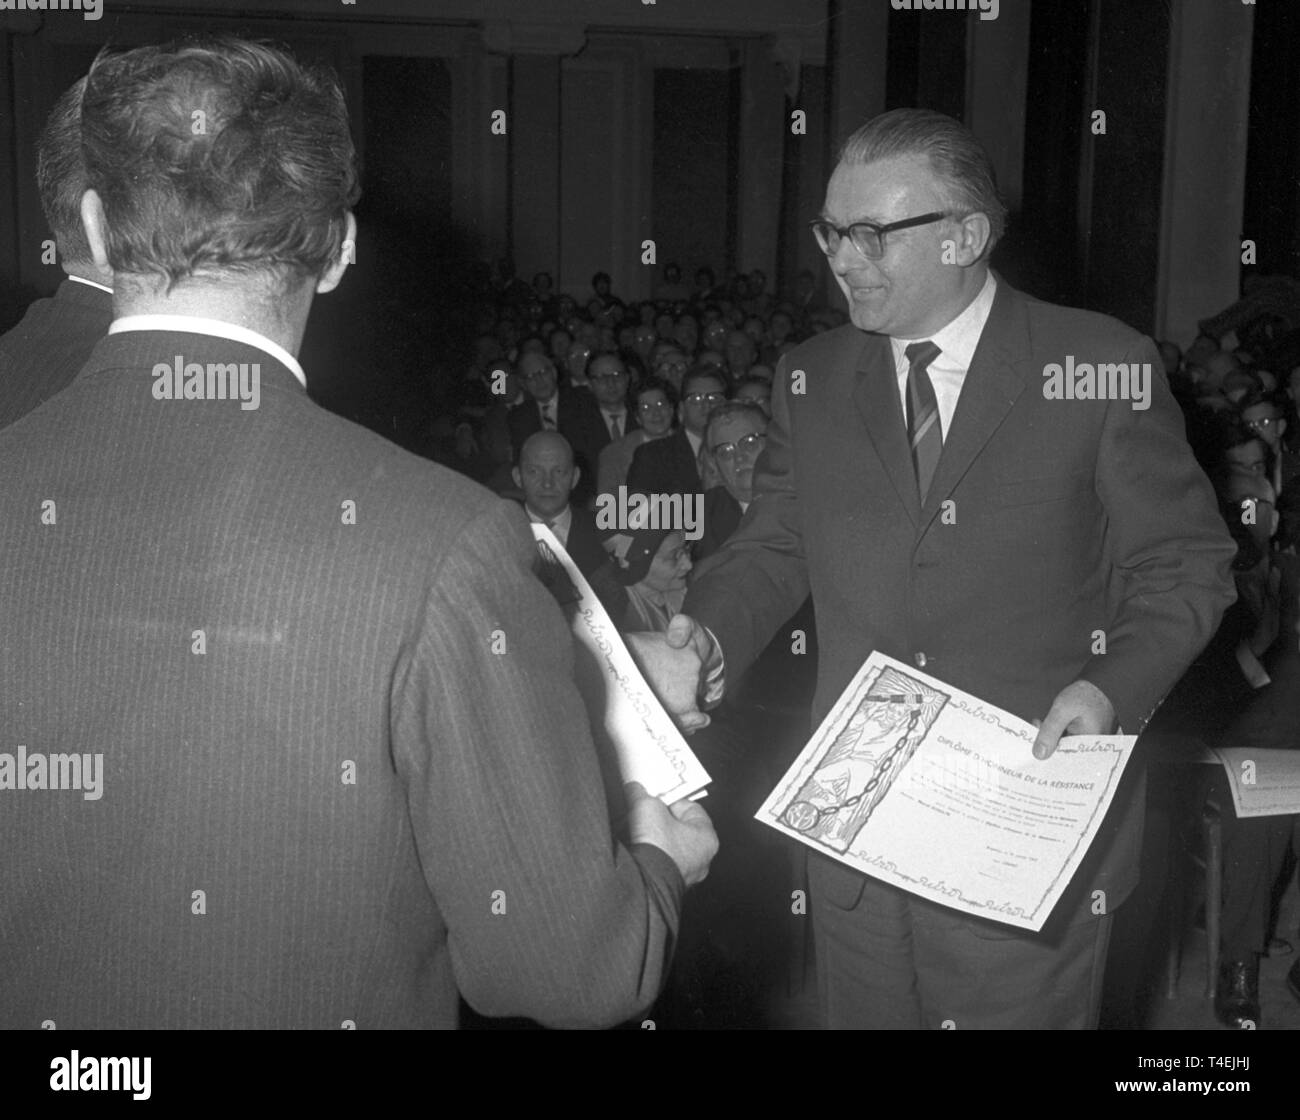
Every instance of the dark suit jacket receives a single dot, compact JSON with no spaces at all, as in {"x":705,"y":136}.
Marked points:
{"x":584,"y":542}
{"x":1070,"y":517}
{"x":328,"y":648}
{"x":665,"y":466}
{"x":721,"y":519}
{"x":42,"y":354}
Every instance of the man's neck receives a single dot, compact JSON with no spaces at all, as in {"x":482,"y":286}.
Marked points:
{"x":973,"y":283}
{"x":224,"y":303}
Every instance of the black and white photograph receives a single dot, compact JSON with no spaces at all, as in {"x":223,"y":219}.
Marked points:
{"x":658,"y":515}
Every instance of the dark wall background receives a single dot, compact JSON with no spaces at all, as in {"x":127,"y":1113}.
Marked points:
{"x":1272,"y":209}
{"x":694,"y":176}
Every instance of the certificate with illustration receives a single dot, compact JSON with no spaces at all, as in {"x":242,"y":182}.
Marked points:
{"x":934,"y":791}
{"x":627,"y":719}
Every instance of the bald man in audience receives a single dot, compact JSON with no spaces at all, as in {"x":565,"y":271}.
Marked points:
{"x":547,"y":475}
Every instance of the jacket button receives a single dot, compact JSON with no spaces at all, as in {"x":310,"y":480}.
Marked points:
{"x":920,"y":660}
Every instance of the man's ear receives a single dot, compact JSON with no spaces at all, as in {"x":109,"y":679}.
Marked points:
{"x":577,"y":474}
{"x":975,"y":233}
{"x":514,"y":473}
{"x":92,"y":221}
{"x":347,"y":255}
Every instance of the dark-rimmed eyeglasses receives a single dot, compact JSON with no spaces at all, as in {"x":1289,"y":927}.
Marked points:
{"x":868,"y":238}
{"x":705,"y":398}
{"x":750,"y":444}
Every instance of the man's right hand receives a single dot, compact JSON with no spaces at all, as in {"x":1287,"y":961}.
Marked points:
{"x":673,"y":664}
{"x":681,"y":830}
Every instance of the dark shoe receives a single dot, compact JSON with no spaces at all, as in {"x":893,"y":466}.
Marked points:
{"x":1236,"y":1003}
{"x":1293,"y":980}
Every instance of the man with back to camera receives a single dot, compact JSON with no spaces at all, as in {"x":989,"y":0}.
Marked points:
{"x":1069,"y":519}
{"x":42,"y":354}
{"x":343,"y":771}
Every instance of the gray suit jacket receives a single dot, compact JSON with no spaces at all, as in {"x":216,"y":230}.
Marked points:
{"x":359,"y":741}
{"x":1070,"y":517}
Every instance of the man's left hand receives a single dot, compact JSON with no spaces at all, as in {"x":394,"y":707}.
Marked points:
{"x":1080,"y":708}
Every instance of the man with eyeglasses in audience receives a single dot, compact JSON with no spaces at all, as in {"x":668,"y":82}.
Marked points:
{"x":735,"y":436}
{"x":1263,"y":415}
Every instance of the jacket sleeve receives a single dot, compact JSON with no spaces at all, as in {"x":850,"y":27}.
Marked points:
{"x":759,"y":578}
{"x":548,"y":916}
{"x":1168,"y":549}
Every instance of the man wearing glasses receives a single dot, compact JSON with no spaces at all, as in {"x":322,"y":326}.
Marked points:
{"x":945,"y":511}
{"x":672,"y":465}
{"x":735,"y":436}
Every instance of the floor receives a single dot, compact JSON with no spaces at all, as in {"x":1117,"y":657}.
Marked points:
{"x":1191,"y":1011}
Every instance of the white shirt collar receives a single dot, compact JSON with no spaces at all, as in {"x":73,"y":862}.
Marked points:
{"x":561,"y":524}
{"x":958,"y":339}
{"x":695,"y":441}
{"x":194,"y":324}
{"x":89,"y":283}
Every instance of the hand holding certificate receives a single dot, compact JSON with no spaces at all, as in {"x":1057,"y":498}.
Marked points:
{"x":932,"y":790}
{"x":625,"y":715}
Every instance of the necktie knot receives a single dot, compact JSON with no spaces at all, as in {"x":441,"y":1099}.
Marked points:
{"x":921,"y":354}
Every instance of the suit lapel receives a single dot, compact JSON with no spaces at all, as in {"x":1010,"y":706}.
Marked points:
{"x":997,"y":376}
{"x":875,"y":395}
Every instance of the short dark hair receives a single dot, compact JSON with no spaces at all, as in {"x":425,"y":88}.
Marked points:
{"x":1258,"y":397}
{"x":598,"y":277}
{"x":218,"y":154}
{"x":61,"y":174}
{"x":956,"y":155}
{"x":700,"y":370}
{"x":656,"y":385}
{"x":730,"y":409}
{"x":746,"y":381}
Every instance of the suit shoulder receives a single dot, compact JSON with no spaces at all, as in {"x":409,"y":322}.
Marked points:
{"x":1075,"y":328}
{"x":837,"y":345}
{"x":430,"y":498}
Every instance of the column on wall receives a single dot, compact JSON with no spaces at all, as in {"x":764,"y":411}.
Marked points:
{"x":1205,"y":164}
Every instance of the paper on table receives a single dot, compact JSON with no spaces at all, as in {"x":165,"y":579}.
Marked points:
{"x":925,"y":787}
{"x":625,"y":714}
{"x":1265,"y":783}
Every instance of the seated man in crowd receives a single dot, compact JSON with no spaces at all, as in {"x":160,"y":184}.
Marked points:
{"x":1264,"y":414}
{"x":735,"y":435}
{"x":546,"y":475}
{"x":42,"y":354}
{"x":755,"y":389}
{"x":557,"y":408}
{"x":672,"y":465}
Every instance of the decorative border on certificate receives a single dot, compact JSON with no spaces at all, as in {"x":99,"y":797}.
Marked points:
{"x":841,"y":788}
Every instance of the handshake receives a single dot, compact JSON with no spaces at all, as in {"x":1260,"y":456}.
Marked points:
{"x":674,"y":664}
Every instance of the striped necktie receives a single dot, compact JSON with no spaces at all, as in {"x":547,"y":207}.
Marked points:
{"x":923,"y":431}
